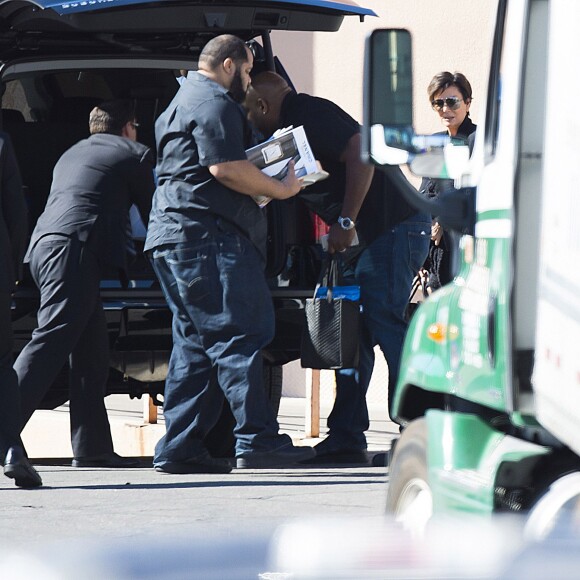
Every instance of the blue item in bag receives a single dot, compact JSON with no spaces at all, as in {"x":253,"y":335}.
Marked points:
{"x":344,"y":292}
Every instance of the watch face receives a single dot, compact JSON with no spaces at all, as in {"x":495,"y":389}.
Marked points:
{"x":345,"y":223}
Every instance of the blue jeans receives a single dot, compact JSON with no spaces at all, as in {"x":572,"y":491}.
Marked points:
{"x":384,"y":272}
{"x":222,"y":317}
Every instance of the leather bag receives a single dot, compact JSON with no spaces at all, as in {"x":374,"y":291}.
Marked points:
{"x":330,"y":337}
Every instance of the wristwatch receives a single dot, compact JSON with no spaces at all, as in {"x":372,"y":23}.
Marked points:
{"x":346,"y":223}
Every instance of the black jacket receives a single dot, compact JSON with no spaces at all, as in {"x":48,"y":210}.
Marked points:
{"x":94,"y":185}
{"x":440,"y":261}
{"x":432,"y":186}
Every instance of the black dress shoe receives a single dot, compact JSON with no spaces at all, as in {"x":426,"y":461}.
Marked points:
{"x":110,"y":460}
{"x":18,"y":467}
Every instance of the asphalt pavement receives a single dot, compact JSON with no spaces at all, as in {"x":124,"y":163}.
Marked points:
{"x":96,"y":509}
{"x":298,"y":523}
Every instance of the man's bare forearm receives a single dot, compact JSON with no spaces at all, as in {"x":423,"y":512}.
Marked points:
{"x":358,"y":178}
{"x":244,"y":177}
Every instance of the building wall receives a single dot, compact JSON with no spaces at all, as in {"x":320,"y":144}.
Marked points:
{"x":455,"y":37}
{"x":445,"y":37}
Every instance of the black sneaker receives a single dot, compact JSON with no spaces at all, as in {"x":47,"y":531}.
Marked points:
{"x":286,"y":455}
{"x":206,"y":464}
{"x":329,"y":452}
{"x":109,"y":460}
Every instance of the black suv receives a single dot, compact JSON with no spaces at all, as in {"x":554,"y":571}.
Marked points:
{"x":59,"y":59}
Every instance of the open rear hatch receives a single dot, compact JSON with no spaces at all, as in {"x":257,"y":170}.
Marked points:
{"x":59,"y":59}
{"x":176,"y":27}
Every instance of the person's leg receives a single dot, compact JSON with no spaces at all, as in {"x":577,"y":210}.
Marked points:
{"x":223,"y":317}
{"x":10,"y":419}
{"x":89,"y":370}
{"x":225,"y":298}
{"x":349,"y":418}
{"x":236,"y":337}
{"x":12,"y":453}
{"x":386,"y":273}
{"x":247,"y":316}
{"x":67,"y":301}
{"x":189,"y":408}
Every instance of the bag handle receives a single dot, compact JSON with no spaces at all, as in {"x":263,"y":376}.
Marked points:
{"x":329,"y":275}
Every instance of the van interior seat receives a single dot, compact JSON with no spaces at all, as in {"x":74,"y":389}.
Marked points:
{"x":11,"y":117}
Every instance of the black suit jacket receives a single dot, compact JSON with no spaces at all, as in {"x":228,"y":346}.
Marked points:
{"x":94,"y":185}
{"x":13,"y":217}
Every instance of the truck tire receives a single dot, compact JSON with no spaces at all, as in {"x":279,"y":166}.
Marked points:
{"x":220,"y":441}
{"x":409,"y":496}
{"x":557,"y":504}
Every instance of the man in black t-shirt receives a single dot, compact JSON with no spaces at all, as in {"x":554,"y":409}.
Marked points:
{"x":394,"y":239}
{"x":206,"y":238}
{"x":82,"y":233}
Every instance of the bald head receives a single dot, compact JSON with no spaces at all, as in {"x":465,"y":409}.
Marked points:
{"x":264,"y":101}
{"x":271,"y":86}
{"x":220,"y":48}
{"x":228,"y":61}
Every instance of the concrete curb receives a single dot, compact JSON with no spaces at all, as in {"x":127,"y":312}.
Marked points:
{"x":47,"y":434}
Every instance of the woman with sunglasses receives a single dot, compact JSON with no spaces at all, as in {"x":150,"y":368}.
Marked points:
{"x":450,"y":97}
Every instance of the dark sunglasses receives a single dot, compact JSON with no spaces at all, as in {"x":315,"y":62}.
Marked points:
{"x":452,"y":103}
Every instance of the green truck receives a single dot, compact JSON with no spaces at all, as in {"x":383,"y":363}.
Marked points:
{"x":489,"y":387}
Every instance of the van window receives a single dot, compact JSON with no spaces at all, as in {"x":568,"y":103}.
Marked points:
{"x":81,"y":84}
{"x":15,"y":99}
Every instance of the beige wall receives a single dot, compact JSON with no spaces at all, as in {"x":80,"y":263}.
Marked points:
{"x":455,"y":37}
{"x":331,"y":65}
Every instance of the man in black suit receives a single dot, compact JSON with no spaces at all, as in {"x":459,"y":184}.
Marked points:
{"x":13,"y":229}
{"x":81,"y":232}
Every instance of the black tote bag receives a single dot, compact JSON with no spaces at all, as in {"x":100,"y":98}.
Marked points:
{"x":330,"y":337}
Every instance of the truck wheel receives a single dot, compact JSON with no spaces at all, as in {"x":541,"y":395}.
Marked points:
{"x":409,"y":496}
{"x":554,"y":506}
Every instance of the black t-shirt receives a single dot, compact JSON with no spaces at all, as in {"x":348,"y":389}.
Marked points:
{"x":202,"y":126}
{"x":94,"y":184}
{"x":329,"y":129}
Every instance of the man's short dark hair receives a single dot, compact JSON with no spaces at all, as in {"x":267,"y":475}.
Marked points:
{"x":222,"y":47}
{"x":111,"y":117}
